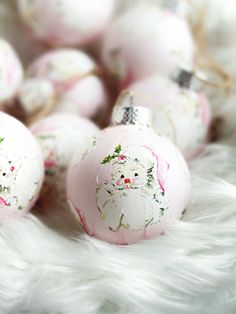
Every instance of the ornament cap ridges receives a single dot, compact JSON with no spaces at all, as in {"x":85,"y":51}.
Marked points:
{"x":185,"y":77}
{"x":179,"y":7}
{"x":125,"y":112}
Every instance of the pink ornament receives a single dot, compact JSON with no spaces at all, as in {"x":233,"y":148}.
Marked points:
{"x":66,"y":22}
{"x":144,"y":41}
{"x":21,"y":168}
{"x":131,"y":183}
{"x":11,"y":72}
{"x":181,"y":113}
{"x":59,"y":136}
{"x":67,"y":77}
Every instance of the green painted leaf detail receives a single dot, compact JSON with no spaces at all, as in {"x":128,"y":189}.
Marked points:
{"x":116,"y":154}
{"x":118,"y":149}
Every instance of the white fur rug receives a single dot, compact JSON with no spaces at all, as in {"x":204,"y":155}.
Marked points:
{"x":48,"y":267}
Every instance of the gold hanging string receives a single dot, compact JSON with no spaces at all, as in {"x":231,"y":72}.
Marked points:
{"x":41,"y":113}
{"x":202,"y":52}
{"x":51,"y":105}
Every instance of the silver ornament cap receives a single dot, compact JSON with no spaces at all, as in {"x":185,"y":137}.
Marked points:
{"x":179,"y":7}
{"x":185,"y":77}
{"x":125,"y":112}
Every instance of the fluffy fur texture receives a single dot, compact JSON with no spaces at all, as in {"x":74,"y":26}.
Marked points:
{"x":48,"y":267}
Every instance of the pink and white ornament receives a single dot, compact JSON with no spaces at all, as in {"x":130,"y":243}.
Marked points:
{"x":21,"y":168}
{"x":69,"y":78}
{"x":179,"y":112}
{"x":66,"y":22}
{"x":144,"y":41}
{"x":131,"y":183}
{"x":11,"y":72}
{"x":59,"y":136}
{"x":35,"y":94}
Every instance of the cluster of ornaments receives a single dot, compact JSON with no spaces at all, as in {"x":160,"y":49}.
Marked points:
{"x":129,"y":181}
{"x":64,"y":77}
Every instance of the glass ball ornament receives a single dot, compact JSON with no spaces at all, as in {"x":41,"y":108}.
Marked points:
{"x":146,"y":40}
{"x":64,"y":77}
{"x":66,"y":22}
{"x":11,"y":72}
{"x":180,"y":110}
{"x":130,"y":183}
{"x":36,"y":94}
{"x":59,"y":136}
{"x":21,"y":168}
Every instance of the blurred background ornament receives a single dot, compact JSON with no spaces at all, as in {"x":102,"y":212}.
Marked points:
{"x":11,"y":73}
{"x":59,"y":136}
{"x":180,"y":110}
{"x":144,"y":41}
{"x":62,"y":81}
{"x":66,"y":22}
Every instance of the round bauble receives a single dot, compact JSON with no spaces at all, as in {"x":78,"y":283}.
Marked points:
{"x":181,"y":113}
{"x":66,"y":22}
{"x":69,"y":78}
{"x":131,"y":183}
{"x":11,"y":72}
{"x":59,"y":136}
{"x":144,"y":41}
{"x":21,"y":168}
{"x":35,"y":94}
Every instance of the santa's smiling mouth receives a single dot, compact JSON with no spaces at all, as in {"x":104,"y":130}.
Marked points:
{"x":127,"y":187}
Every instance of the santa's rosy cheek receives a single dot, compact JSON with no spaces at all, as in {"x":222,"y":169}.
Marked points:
{"x":137,"y":181}
{"x":119,"y":182}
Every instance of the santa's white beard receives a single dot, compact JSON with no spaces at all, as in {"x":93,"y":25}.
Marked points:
{"x":130,"y":208}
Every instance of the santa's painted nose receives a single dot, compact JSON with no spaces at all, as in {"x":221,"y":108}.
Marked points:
{"x":127,"y":180}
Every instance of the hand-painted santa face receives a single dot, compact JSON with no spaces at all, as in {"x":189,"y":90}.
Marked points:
{"x":129,"y":176}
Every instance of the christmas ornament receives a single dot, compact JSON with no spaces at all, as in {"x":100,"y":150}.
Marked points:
{"x":66,"y":77}
{"x":131,"y":183}
{"x":21,"y":168}
{"x":144,"y":41}
{"x":59,"y":136}
{"x":180,"y":7}
{"x":180,"y":111}
{"x":66,"y":22}
{"x":11,"y":72}
{"x":35,"y":94}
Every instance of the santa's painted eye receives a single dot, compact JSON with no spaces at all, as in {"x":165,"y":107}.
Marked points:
{"x":4,"y":174}
{"x":136,"y":174}
{"x":122,"y":176}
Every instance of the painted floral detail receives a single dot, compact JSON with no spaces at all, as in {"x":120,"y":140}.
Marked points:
{"x":131,"y":190}
{"x":8,"y":177}
{"x":1,"y":140}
